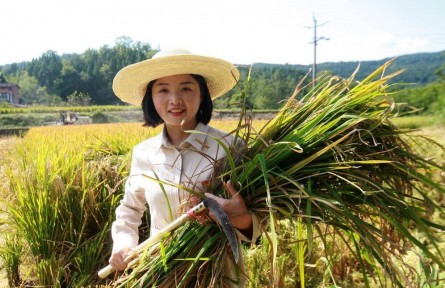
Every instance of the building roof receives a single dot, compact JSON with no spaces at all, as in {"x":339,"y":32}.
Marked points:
{"x":8,"y":85}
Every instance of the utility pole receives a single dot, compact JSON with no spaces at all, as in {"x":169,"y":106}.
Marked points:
{"x":315,"y":42}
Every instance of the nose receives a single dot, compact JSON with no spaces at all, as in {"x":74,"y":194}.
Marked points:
{"x":175,"y":98}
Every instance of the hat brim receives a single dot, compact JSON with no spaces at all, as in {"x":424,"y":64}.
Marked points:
{"x":130,"y":83}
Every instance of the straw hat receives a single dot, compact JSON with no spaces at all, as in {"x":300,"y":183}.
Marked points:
{"x":130,"y":83}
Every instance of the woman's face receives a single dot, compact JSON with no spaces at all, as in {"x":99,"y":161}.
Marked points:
{"x":176,"y":99}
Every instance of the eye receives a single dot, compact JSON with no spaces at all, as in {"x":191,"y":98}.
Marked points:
{"x":186,"y":89}
{"x":163,"y":90}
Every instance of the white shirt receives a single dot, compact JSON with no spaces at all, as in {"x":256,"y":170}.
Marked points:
{"x":189,"y":165}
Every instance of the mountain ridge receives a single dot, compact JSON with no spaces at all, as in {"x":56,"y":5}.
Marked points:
{"x":418,"y":68}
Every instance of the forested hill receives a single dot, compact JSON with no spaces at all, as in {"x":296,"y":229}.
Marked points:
{"x":418,"y":68}
{"x":86,"y":78}
{"x":271,"y":83}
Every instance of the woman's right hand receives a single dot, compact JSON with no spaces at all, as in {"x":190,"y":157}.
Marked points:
{"x":117,"y":259}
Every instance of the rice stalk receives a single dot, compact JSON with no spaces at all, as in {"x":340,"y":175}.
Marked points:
{"x":66,"y":184}
{"x":10,"y":254}
{"x":332,"y":158}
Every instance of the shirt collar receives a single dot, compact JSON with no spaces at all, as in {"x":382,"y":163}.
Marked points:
{"x":197,"y":140}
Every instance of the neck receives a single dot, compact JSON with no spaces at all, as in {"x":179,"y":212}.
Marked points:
{"x":176,"y":135}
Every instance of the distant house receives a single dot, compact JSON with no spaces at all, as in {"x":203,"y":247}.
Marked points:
{"x":9,"y":93}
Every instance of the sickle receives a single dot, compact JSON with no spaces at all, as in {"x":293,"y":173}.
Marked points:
{"x":226,"y":225}
{"x":208,"y":203}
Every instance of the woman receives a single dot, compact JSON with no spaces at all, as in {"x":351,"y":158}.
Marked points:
{"x":175,"y":88}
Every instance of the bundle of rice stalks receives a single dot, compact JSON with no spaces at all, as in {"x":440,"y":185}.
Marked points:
{"x":331,"y":157}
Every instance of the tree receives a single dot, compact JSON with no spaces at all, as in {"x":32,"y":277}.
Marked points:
{"x":69,"y":81}
{"x":441,"y":72}
{"x":47,"y":70}
{"x":32,"y":93}
{"x":2,"y":77}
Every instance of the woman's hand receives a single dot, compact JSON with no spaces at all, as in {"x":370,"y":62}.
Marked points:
{"x":235,"y":208}
{"x":117,"y":259}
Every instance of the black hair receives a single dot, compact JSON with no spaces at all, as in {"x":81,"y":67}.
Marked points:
{"x":152,"y":118}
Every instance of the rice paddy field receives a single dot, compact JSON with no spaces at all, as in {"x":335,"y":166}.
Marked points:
{"x":79,"y":170}
{"x":352,"y":197}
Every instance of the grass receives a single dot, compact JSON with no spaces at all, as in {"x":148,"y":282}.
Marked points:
{"x":50,"y":109}
{"x":334,"y":159}
{"x":415,"y":122}
{"x":59,"y":184}
{"x":340,"y":269}
{"x":62,"y":184}
{"x":319,"y":270}
{"x":64,"y":181}
{"x":8,"y":256}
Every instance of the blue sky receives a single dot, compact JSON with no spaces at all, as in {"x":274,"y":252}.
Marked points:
{"x":241,"y":31}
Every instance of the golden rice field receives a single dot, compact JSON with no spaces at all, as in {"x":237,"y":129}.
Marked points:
{"x":60,"y":156}
{"x":80,"y":158}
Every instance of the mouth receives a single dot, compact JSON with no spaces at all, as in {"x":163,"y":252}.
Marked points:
{"x":176,"y":111}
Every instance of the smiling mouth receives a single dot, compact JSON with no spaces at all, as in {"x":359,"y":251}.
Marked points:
{"x":177,"y":111}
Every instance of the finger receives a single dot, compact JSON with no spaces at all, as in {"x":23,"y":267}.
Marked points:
{"x":117,"y":261}
{"x":123,"y":263}
{"x":117,"y":265}
{"x":231,"y":188}
{"x":210,"y":195}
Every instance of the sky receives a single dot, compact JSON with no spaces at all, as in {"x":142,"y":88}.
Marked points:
{"x":240,"y":31}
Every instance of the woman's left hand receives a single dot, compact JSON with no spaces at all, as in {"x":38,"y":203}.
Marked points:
{"x":235,"y":208}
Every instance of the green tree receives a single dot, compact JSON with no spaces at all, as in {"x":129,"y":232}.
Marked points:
{"x":32,"y":93}
{"x":2,"y":77}
{"x":441,"y":72}
{"x":69,"y":81}
{"x":422,"y":99}
{"x":47,"y":70}
{"x":92,"y":72}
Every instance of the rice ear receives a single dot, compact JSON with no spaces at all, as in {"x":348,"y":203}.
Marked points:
{"x":332,"y":158}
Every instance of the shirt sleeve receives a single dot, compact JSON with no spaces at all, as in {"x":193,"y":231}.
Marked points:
{"x":129,"y":213}
{"x":257,"y":228}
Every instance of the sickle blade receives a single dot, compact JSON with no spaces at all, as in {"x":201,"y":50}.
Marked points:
{"x":226,"y":225}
